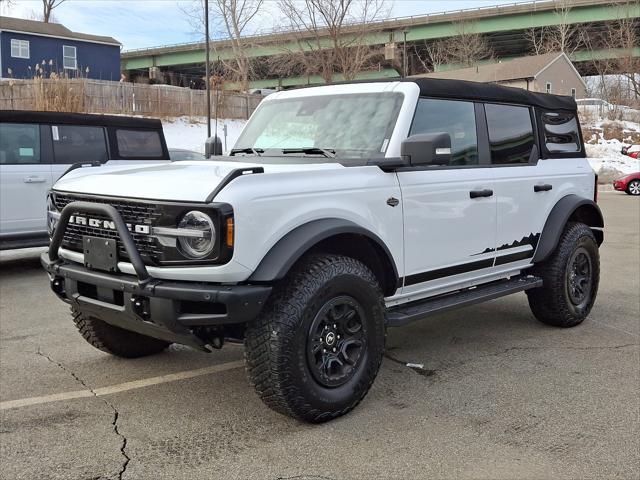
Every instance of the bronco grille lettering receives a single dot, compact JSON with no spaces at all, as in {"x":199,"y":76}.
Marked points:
{"x":108,"y":224}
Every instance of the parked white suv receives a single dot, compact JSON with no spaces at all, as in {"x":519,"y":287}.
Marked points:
{"x":341,"y":211}
{"x":37,"y":148}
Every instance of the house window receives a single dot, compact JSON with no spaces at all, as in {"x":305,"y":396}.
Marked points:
{"x":548,"y":87}
{"x":19,"y":48}
{"x":69,"y":59}
{"x":573,"y":92}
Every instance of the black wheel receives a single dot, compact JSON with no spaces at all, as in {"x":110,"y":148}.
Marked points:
{"x":633,"y":187}
{"x":316,"y":348}
{"x":570,"y":277}
{"x":116,"y":341}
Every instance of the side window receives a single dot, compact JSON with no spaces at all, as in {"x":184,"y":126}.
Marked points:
{"x":561,"y":132}
{"x":19,"y":143}
{"x":78,"y":143}
{"x":456,"y":118}
{"x":139,"y":143}
{"x":511,"y":136}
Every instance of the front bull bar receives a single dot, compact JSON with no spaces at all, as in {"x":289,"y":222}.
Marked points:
{"x":121,"y":227}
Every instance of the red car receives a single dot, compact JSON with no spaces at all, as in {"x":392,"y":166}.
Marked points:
{"x":629,"y":184}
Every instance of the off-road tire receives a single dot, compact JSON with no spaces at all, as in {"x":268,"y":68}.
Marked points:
{"x":552,"y":303}
{"x":277,"y":343}
{"x":114,"y":340}
{"x":633,"y":188}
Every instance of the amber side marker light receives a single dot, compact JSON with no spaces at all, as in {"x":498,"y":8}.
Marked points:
{"x":229,"y":232}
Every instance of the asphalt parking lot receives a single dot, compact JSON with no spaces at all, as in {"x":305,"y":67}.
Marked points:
{"x":500,"y":395}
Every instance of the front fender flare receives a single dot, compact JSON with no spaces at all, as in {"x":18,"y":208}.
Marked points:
{"x":290,"y":248}
{"x":558,"y":218}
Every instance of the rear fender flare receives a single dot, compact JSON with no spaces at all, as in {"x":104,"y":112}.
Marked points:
{"x":571,"y":205}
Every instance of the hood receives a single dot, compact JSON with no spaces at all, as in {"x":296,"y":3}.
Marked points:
{"x":191,"y":181}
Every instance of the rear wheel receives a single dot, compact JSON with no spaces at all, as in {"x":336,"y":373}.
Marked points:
{"x":633,"y":188}
{"x":570,"y":277}
{"x":114,"y":340}
{"x":315,"y":350}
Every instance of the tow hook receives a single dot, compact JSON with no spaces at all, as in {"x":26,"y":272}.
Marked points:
{"x":140,"y":306}
{"x":57,"y":285}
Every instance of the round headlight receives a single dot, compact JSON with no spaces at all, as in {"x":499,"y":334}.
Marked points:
{"x":201,"y":243}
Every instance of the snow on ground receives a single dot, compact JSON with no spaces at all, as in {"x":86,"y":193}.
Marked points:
{"x":191,"y":133}
{"x":603,"y":152}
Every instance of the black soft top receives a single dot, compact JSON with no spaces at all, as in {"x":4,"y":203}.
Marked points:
{"x":61,"y":118}
{"x":491,"y":92}
{"x":488,"y":92}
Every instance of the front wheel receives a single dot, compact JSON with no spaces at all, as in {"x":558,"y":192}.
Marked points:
{"x":634,"y":187}
{"x":116,"y":341}
{"x":570,"y":279}
{"x":316,"y":348}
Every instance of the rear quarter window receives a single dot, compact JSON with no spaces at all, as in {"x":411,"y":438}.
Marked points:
{"x":561,"y":132}
{"x":139,"y":143}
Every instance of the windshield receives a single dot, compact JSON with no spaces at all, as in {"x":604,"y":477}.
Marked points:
{"x":349,"y":125}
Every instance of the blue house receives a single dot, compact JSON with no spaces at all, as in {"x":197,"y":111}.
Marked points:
{"x":29,"y":48}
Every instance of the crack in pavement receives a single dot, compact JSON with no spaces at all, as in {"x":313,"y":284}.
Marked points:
{"x":306,"y":477}
{"x":420,"y":371}
{"x":116,"y":414}
{"x":428,"y":373}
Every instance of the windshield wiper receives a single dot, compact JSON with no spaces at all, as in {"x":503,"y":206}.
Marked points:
{"x":254,"y":151}
{"x":327,"y":152}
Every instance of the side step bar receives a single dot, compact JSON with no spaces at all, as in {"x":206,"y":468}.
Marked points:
{"x":410,"y":312}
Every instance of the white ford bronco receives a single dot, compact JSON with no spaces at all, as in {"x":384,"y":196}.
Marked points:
{"x":342,"y":210}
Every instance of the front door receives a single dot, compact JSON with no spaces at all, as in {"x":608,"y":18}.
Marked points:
{"x":449,"y":211}
{"x":25,"y":179}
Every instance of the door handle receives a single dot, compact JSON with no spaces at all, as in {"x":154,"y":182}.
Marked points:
{"x":542,"y":188}
{"x":481,"y":193}
{"x":34,"y":179}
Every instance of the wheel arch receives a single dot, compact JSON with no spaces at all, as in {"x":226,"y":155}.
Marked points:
{"x":330,"y":235}
{"x":571,"y":208}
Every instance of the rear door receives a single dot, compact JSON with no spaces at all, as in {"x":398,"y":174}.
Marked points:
{"x":449,"y":211}
{"x":524,"y":187}
{"x":25,"y":178}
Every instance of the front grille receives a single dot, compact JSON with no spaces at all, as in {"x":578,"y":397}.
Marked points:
{"x":135,"y":213}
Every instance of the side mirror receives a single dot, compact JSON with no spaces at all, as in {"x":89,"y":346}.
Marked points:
{"x":427,"y":149}
{"x":213,"y":146}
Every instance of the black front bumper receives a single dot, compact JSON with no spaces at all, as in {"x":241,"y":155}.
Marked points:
{"x":162,"y":309}
{"x":173,"y":311}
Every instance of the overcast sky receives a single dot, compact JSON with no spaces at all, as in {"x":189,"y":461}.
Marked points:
{"x":149,"y":23}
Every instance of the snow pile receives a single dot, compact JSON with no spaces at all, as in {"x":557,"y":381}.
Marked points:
{"x":190,"y":134}
{"x":607,"y":161}
{"x":604,"y":140}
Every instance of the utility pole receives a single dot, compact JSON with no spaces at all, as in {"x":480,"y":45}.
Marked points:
{"x":206,"y":68}
{"x":404,"y":53}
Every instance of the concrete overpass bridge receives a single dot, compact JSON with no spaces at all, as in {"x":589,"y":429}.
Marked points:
{"x":503,"y":25}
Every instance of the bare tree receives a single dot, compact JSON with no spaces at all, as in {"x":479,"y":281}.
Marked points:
{"x":623,"y":36}
{"x":233,"y":19}
{"x":328,"y":36}
{"x":48,"y":6}
{"x":465,"y":49}
{"x":564,"y":36}
{"x":617,"y":73}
